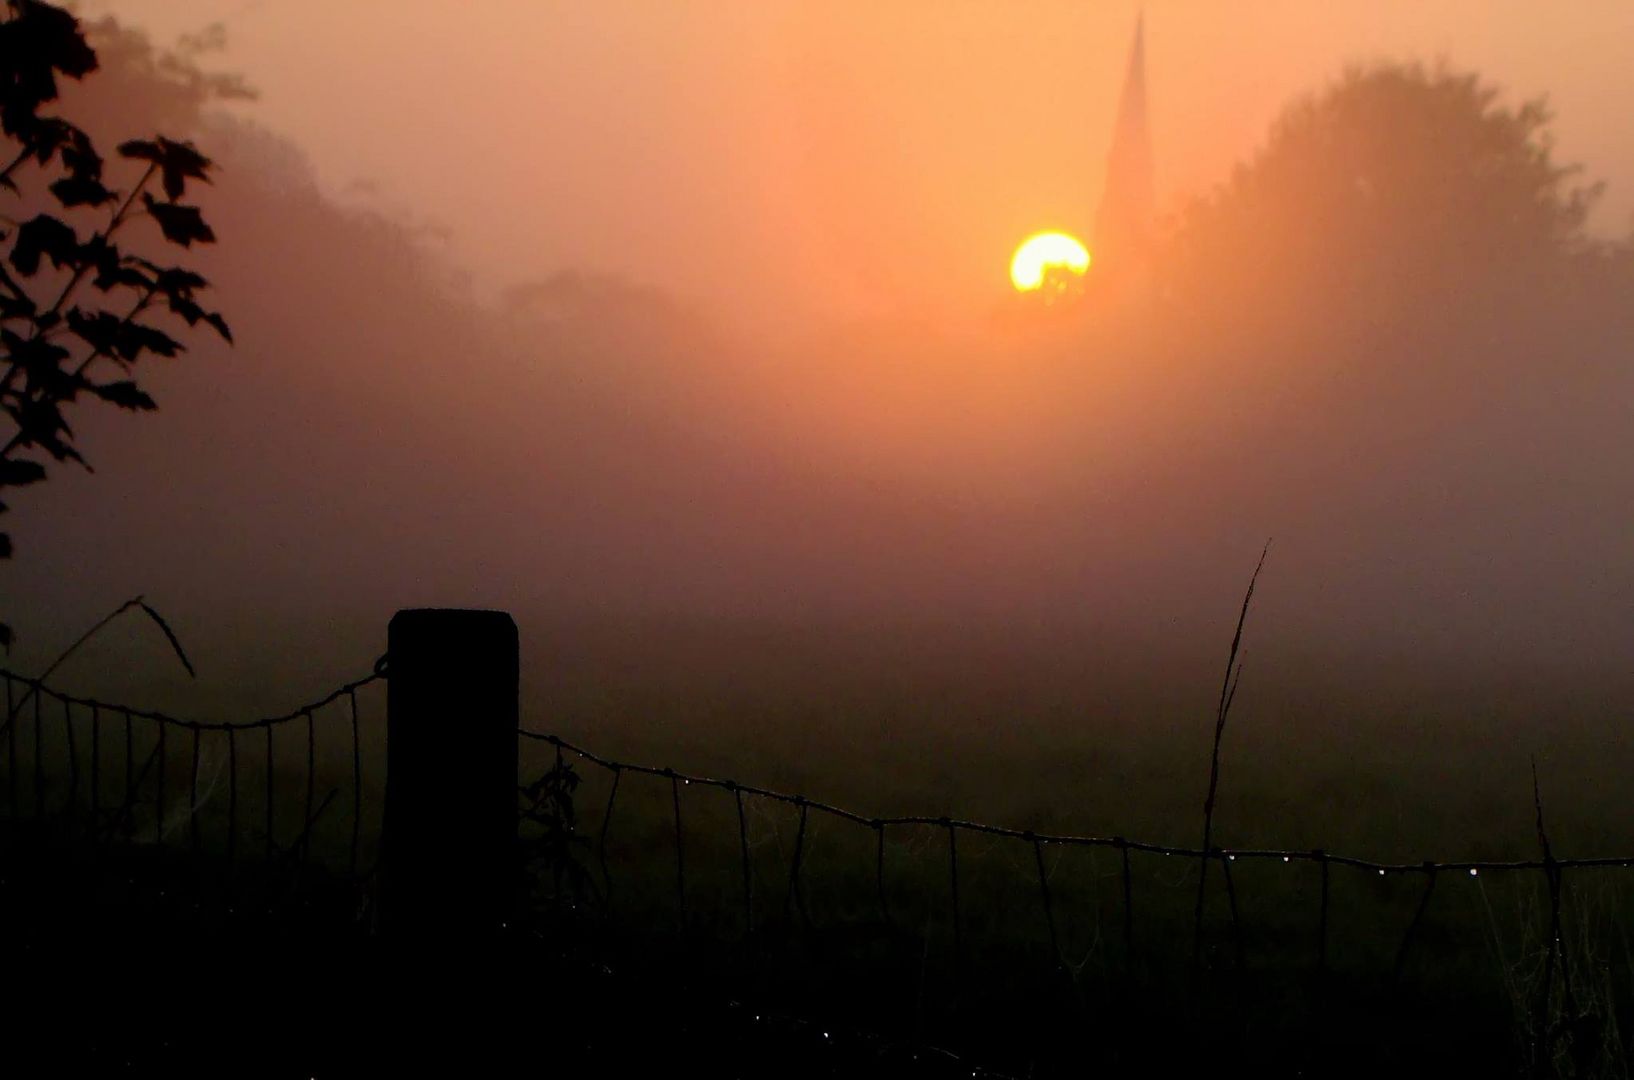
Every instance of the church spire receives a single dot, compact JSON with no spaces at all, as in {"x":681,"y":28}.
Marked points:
{"x":1123,"y":224}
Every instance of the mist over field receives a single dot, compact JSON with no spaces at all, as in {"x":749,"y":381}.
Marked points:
{"x":891,"y":534}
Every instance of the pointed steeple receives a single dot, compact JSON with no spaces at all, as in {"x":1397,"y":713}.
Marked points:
{"x":1123,"y":224}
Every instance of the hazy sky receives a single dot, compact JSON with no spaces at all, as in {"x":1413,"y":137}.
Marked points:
{"x":836,"y":157}
{"x":830,"y":158}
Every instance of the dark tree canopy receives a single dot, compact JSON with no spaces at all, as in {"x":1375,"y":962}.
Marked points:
{"x":1395,"y":180}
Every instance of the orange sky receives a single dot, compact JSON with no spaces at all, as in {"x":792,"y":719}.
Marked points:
{"x":835,"y":158}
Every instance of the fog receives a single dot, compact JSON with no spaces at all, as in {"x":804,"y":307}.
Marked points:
{"x":697,"y":354}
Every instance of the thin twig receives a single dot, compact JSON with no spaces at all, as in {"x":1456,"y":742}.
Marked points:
{"x":135,"y":602}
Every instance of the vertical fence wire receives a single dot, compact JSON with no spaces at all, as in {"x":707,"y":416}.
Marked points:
{"x":743,"y":855}
{"x":1128,"y":907}
{"x":680,"y":849}
{"x":73,"y":757}
{"x":270,"y":846}
{"x":129,"y":803}
{"x":193,"y":797}
{"x":11,"y":749}
{"x":558,"y":866}
{"x":357,"y":785}
{"x":879,"y":871}
{"x":1557,"y":959}
{"x":1231,"y":899}
{"x":232,"y":792}
{"x":96,"y":766}
{"x":39,"y":754}
{"x":794,"y":898}
{"x":311,"y":785}
{"x":1412,"y":927}
{"x":159,"y":790}
{"x":1049,"y":908}
{"x":953,"y":894}
{"x":1322,"y":928}
{"x":601,"y":841}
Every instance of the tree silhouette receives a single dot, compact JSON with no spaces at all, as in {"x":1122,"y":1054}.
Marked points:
{"x":1396,"y":180}
{"x":74,"y":302}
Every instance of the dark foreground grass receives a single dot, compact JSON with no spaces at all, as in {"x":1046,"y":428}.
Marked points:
{"x":1047,"y":977}
{"x":136,"y":963}
{"x":146,"y":960}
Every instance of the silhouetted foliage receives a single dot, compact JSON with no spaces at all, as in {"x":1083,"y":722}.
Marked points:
{"x":1395,"y":179}
{"x":77,"y":297}
{"x":551,"y":840}
{"x":1402,"y":284}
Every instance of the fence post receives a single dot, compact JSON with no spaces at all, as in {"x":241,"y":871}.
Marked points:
{"x":449,"y":837}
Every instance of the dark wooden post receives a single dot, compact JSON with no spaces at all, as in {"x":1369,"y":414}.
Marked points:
{"x":449,"y":841}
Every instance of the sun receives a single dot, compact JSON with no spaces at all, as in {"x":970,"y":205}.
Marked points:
{"x":1047,"y":257}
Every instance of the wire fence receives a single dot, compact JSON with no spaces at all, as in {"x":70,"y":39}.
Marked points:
{"x":272,"y":786}
{"x":1550,"y":1005}
{"x":109,"y":789}
{"x":137,"y":776}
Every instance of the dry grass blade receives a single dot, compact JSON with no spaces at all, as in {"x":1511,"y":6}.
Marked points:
{"x":1546,"y":1026}
{"x":1228,"y":694}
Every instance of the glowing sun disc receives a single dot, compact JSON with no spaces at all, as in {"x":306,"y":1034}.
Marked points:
{"x":1041,"y":251}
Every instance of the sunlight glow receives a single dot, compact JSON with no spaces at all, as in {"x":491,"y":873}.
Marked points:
{"x":1041,"y":251}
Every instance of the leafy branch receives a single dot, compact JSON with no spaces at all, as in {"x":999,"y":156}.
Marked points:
{"x":48,"y":348}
